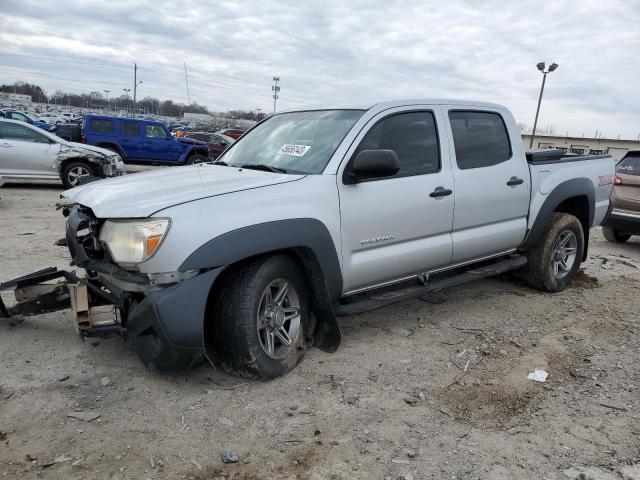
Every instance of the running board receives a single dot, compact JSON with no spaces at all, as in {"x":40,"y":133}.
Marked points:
{"x":386,"y":298}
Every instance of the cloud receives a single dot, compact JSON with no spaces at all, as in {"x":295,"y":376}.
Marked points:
{"x":337,"y":51}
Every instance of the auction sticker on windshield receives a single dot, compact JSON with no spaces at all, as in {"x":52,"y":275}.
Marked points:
{"x":295,"y":150}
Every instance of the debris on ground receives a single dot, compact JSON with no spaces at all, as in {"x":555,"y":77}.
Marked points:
{"x":84,"y":416}
{"x":333,"y":380}
{"x":229,"y":457}
{"x":105,"y":381}
{"x":538,"y":376}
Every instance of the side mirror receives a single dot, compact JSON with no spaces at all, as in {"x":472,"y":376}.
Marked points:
{"x":371,"y":164}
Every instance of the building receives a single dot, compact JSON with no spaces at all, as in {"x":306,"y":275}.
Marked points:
{"x":197,"y":117}
{"x":14,"y":97}
{"x":583,"y":146}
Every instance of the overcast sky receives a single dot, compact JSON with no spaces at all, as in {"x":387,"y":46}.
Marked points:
{"x":340,"y":51}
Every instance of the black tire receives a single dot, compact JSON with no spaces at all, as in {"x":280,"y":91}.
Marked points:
{"x":539,"y":271}
{"x":196,"y":158}
{"x":69,"y":170}
{"x":237,"y":342}
{"x":615,"y":236}
{"x":158,"y":355}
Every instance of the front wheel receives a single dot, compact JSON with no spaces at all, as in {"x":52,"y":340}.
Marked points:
{"x":75,"y":173}
{"x":615,"y":235}
{"x":554,"y":261}
{"x":259,"y":320}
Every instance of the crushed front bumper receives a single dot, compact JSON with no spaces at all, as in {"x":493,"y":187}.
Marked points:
{"x":109,"y":300}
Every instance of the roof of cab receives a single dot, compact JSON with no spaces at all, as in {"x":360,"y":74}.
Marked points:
{"x":395,"y":103}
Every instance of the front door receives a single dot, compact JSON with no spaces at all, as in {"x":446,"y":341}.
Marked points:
{"x":397,"y":227}
{"x":492,"y":184}
{"x":26,"y":152}
{"x":159,"y":145}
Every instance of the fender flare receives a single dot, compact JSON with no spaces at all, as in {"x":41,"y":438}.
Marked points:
{"x":306,"y":234}
{"x":575,"y":187}
{"x":119,"y":149}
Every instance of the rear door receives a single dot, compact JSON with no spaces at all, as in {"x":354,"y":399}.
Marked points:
{"x":26,"y":152}
{"x":492,"y":183}
{"x":626,"y":190}
{"x":130,"y":138}
{"x":392,"y":228}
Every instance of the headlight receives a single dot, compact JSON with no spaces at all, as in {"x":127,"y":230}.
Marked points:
{"x":133,"y":241}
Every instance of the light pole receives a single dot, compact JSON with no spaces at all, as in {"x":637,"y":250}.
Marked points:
{"x":275,"y":88}
{"x":126,"y":94}
{"x":106,"y":92}
{"x":135,"y":91}
{"x":540,"y":66}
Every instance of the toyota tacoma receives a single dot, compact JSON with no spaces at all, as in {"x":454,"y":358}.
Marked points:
{"x":313,"y":215}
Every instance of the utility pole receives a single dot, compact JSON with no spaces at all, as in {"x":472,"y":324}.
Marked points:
{"x":540,"y":67}
{"x":106,"y":93}
{"x":275,"y":88}
{"x":187,"y":80}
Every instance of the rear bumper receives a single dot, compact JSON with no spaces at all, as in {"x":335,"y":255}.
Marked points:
{"x":624,"y":221}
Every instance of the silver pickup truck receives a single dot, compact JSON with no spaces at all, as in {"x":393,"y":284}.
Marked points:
{"x":312,"y":215}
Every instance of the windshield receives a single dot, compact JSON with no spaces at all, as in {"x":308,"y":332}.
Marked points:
{"x":300,"y":142}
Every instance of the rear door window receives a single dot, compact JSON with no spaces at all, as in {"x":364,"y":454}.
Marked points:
{"x":480,"y":139}
{"x":629,"y":165}
{"x":105,"y":127}
{"x":130,"y":129}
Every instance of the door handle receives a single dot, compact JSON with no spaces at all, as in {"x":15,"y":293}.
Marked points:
{"x":515,"y":181}
{"x":6,"y":145}
{"x":441,"y":192}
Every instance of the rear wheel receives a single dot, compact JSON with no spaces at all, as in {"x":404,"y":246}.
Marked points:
{"x":554,"y":261}
{"x":615,"y":235}
{"x":259,"y":320}
{"x":75,"y":173}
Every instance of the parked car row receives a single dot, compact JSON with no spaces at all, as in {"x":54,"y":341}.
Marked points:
{"x":28,"y":152}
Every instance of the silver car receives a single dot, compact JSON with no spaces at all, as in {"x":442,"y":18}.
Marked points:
{"x":28,"y":152}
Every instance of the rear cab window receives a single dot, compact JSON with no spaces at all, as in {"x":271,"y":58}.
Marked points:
{"x":480,"y":138}
{"x":104,"y":127}
{"x":629,"y":165}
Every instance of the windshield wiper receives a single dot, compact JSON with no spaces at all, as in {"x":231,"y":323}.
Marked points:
{"x":262,"y":166}
{"x":220,"y":162}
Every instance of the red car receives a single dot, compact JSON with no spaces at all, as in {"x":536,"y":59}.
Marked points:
{"x":216,"y":142}
{"x":231,"y":132}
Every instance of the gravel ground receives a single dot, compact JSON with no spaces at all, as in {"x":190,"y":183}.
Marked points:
{"x":379,"y":408}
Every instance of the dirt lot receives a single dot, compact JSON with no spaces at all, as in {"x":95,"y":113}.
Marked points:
{"x":378,"y":408}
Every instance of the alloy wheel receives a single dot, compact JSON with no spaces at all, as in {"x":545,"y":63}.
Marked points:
{"x":278,"y":319}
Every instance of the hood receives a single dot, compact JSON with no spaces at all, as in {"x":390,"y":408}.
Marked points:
{"x":191,"y":141}
{"x":83,"y":147}
{"x":142,"y":194}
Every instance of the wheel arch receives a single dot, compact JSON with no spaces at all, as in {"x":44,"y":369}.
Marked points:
{"x":117,"y":147}
{"x":576,"y":197}
{"x":306,"y":240}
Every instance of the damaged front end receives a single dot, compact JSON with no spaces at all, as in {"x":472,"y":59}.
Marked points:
{"x":161,"y":314}
{"x":107,"y":162}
